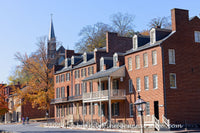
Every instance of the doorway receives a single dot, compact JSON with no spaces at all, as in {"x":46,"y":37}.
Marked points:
{"x":156,"y":109}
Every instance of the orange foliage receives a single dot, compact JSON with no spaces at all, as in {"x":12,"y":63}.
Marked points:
{"x":145,"y":32}
{"x":3,"y":102}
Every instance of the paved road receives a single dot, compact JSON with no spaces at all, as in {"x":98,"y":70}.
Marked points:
{"x":35,"y":128}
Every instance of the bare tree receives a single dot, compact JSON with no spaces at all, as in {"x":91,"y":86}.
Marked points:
{"x":93,"y":36}
{"x":122,"y":23}
{"x":162,"y":22}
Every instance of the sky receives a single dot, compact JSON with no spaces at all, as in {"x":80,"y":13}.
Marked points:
{"x":23,"y":22}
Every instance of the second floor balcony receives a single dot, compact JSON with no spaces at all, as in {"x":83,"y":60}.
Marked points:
{"x":66,"y":99}
{"x":103,"y":95}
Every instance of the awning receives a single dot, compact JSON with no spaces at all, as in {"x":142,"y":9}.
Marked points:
{"x":112,"y":72}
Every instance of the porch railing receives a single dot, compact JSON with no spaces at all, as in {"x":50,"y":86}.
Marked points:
{"x":98,"y":95}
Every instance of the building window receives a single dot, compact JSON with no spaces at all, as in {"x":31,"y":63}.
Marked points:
{"x":67,"y":109}
{"x":57,"y":111}
{"x":62,"y":78}
{"x":145,"y":59}
{"x":115,"y":60}
{"x":135,"y":42}
{"x":91,"y":86}
{"x":71,"y":108}
{"x":146,"y":82}
{"x":155,"y":81}
{"x":147,"y":108}
{"x":130,"y":86}
{"x":131,"y":109}
{"x":57,"y":79}
{"x":129,"y":63}
{"x":77,"y":89}
{"x":81,"y":72}
{"x":171,"y":56}
{"x":137,"y":62}
{"x":62,"y":91}
{"x":84,"y":109}
{"x":93,"y":108}
{"x":197,"y":36}
{"x":115,"y":84}
{"x":152,"y":36}
{"x":57,"y":92}
{"x":115,"y":109}
{"x":78,"y":73}
{"x":85,"y":86}
{"x":102,"y":109}
{"x":172,"y":80}
{"x":67,"y":76}
{"x":88,"y":71}
{"x":138,"y":84}
{"x":154,"y":57}
{"x":63,"y":111}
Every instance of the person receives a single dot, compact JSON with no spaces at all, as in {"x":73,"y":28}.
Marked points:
{"x":23,"y":120}
{"x":27,"y":120}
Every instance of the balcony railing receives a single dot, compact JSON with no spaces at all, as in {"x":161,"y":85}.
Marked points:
{"x":66,"y":99}
{"x":103,"y":95}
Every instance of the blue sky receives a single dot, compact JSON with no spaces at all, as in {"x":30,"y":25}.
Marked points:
{"x":22,"y":22}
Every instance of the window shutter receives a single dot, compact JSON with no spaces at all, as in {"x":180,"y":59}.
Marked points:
{"x":112,"y":108}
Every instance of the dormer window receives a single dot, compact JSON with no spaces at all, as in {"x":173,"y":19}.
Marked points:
{"x":72,"y":60}
{"x":85,"y":57}
{"x":115,"y":60}
{"x":135,"y":42}
{"x":102,"y":64}
{"x":152,"y":36}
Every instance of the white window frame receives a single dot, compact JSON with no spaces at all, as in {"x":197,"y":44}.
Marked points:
{"x":145,"y":60}
{"x":130,"y":86}
{"x":146,"y":82}
{"x":155,"y":80}
{"x":102,"y":64}
{"x":154,"y":57}
{"x":137,"y":62}
{"x":147,"y":108}
{"x":197,"y":36}
{"x":171,"y":54}
{"x":130,"y":66}
{"x":138,"y":84}
{"x":131,"y":105}
{"x":174,"y":80}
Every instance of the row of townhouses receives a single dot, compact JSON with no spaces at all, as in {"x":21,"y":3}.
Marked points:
{"x":103,"y":85}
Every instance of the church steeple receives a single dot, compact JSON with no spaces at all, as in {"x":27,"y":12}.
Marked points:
{"x":51,"y":31}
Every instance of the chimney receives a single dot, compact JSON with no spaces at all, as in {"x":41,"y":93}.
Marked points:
{"x":69,"y":53}
{"x":179,"y":19}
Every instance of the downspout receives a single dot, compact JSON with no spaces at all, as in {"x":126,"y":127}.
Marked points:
{"x":164,"y":87}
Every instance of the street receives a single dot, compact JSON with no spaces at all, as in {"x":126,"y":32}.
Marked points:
{"x":35,"y":128}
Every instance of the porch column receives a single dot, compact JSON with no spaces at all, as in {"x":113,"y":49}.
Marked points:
{"x":83,"y":113}
{"x":100,"y":115}
{"x":91,"y":114}
{"x":100,"y":102}
{"x":109,"y":100}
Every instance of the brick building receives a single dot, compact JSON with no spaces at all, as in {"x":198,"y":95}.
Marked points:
{"x":163,"y":67}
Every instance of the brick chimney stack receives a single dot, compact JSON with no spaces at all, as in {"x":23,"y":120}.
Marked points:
{"x":179,"y":19}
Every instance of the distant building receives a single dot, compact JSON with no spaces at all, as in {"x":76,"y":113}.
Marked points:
{"x":164,"y":68}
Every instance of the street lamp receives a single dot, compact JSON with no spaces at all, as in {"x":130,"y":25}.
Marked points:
{"x":140,"y":105}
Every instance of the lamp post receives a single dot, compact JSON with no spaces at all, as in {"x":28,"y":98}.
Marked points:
{"x":140,"y":105}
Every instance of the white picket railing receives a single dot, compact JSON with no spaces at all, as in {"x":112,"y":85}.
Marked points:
{"x":156,"y":123}
{"x":104,"y":94}
{"x":166,"y":121}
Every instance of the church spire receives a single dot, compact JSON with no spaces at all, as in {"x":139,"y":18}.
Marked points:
{"x":51,"y":31}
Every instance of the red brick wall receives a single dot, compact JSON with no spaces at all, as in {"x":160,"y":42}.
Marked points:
{"x":182,"y":103}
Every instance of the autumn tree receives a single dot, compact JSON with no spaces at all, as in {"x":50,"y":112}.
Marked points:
{"x":162,"y":22}
{"x":145,"y":32}
{"x":3,"y":103}
{"x":39,"y":77}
